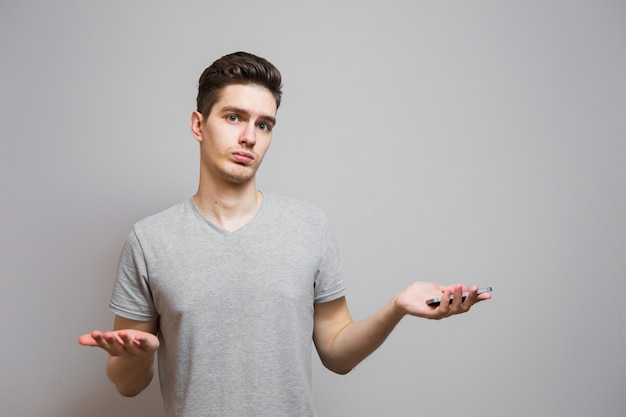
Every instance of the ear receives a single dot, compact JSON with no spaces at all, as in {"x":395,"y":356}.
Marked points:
{"x":196,"y":123}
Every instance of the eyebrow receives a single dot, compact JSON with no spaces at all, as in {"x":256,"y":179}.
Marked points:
{"x":233,"y":109}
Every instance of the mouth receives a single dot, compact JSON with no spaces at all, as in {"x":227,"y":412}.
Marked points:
{"x":243,"y":157}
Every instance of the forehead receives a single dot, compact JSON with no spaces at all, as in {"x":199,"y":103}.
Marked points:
{"x":251,"y":97}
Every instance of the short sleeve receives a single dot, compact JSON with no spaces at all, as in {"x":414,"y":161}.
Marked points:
{"x":329,"y":283}
{"x":132,"y":297}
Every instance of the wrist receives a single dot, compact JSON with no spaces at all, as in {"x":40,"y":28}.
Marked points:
{"x":397,"y":310}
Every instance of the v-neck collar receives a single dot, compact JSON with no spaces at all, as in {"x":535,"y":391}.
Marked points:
{"x":238,"y":231}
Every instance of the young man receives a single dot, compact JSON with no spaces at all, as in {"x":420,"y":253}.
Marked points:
{"x":233,"y":287}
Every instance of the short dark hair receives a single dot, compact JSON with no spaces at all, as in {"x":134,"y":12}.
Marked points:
{"x":236,"y":68}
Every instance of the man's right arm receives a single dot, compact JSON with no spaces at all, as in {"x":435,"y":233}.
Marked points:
{"x":131,"y":347}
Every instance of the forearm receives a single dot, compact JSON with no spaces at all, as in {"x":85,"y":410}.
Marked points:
{"x":342,"y":344}
{"x":360,"y":339}
{"x":131,"y":375}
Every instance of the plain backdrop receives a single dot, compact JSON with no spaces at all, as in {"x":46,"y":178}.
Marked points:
{"x":453,"y":141}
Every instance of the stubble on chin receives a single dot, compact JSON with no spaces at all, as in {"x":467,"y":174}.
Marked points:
{"x":238,"y":174}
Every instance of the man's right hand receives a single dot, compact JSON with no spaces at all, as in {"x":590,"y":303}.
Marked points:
{"x":127,"y":342}
{"x":131,"y":346}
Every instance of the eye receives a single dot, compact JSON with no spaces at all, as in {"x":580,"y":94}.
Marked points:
{"x":232,"y":118}
{"x":265,"y":127}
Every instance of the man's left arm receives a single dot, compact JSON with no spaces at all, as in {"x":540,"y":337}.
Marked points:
{"x":342,"y":343}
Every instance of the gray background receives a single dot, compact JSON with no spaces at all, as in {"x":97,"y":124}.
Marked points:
{"x":480,"y":142}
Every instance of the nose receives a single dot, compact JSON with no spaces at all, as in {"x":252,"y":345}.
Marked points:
{"x":248,"y":135}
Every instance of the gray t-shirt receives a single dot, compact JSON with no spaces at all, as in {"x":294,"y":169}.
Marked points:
{"x":235,"y":309}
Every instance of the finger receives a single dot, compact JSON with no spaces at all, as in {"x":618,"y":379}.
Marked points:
{"x":458,"y":295}
{"x":457,"y":302}
{"x":126,"y":338}
{"x":139,"y":342}
{"x":483,"y":297}
{"x":473,"y":295}
{"x":88,"y":339}
{"x":134,"y":342}
{"x":147,"y":343}
{"x":100,"y":340}
{"x":112,"y":338}
{"x":95,"y":339}
{"x":469,"y":300}
{"x":114,"y":343}
{"x":444,"y":306}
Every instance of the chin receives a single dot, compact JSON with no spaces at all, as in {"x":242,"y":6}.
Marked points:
{"x":239,"y":177}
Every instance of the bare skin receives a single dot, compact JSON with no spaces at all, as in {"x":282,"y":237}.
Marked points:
{"x":131,"y":347}
{"x":342,"y":343}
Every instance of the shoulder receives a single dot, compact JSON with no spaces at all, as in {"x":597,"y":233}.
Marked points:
{"x":291,"y":203}
{"x":169,"y":218}
{"x":289,"y":207}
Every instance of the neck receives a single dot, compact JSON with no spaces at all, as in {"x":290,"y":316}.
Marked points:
{"x":229,"y":207}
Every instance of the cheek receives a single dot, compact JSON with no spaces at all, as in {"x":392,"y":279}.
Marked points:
{"x":209,"y":151}
{"x":264,"y":148}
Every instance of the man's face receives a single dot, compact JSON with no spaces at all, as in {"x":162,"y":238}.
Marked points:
{"x":236,"y":134}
